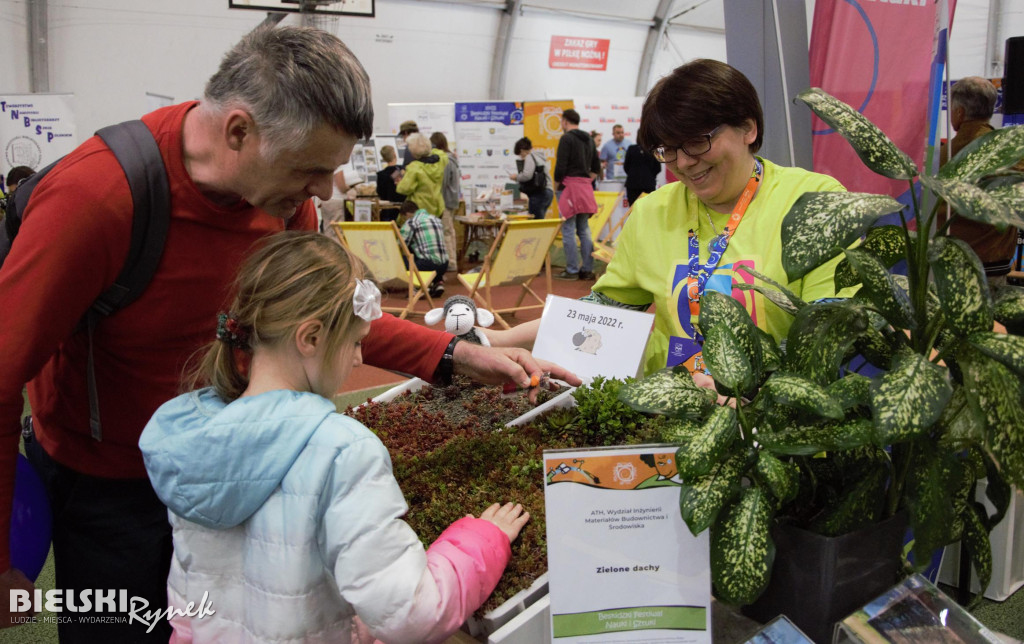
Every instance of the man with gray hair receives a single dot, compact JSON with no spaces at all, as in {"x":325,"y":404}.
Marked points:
{"x":971,"y":104}
{"x":279,"y":116}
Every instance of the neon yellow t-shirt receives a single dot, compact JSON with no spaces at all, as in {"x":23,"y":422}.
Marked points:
{"x":650,"y":263}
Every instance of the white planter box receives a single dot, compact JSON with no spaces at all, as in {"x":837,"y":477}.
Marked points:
{"x":525,"y":617}
{"x":1007,"y":541}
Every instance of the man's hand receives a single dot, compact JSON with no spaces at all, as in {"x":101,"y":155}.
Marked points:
{"x":498,"y":365}
{"x":13,"y":579}
{"x":707,"y":382}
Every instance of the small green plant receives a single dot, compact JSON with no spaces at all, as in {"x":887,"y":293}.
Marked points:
{"x":811,"y":441}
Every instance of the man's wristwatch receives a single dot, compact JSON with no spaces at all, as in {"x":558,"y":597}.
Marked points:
{"x":446,"y":368}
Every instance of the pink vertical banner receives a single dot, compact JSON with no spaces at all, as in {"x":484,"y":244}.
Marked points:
{"x":876,"y":57}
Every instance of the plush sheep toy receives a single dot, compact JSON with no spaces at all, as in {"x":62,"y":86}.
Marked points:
{"x":460,"y":313}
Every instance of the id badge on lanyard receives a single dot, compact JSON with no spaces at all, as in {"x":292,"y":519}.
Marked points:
{"x":687,"y":351}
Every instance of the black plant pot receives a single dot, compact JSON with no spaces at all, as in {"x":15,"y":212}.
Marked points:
{"x":817,"y":581}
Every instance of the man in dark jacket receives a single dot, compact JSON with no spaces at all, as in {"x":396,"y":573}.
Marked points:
{"x":576,"y":165}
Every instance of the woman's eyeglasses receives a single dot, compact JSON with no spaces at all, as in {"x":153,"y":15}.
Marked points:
{"x":694,"y":147}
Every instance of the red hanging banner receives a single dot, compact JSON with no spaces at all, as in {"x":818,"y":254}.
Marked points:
{"x":569,"y":52}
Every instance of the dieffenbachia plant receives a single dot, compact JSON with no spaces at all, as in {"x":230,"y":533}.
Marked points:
{"x":813,"y":442}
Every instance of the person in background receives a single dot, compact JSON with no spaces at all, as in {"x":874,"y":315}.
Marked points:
{"x":598,"y":138}
{"x":304,"y":538}
{"x":538,"y":200}
{"x":424,"y":177}
{"x":404,"y":130}
{"x":423,"y":234}
{"x":642,"y":171}
{"x":576,"y":167}
{"x":451,"y":191}
{"x":282,"y":112}
{"x":705,"y":122}
{"x":613,"y":154}
{"x":386,"y":182}
{"x":16,"y":175}
{"x":333,"y":209}
{"x":972,"y":102}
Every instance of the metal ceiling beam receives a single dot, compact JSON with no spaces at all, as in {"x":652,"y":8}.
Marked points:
{"x":502,"y":47}
{"x":654,"y":36}
{"x":38,"y":46}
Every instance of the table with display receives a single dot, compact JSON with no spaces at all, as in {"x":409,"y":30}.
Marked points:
{"x":481,"y":227}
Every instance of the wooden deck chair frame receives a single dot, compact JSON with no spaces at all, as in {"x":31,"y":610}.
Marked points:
{"x":415,"y":280}
{"x":505,"y":253}
{"x":606,"y":204}
{"x":604,"y":248}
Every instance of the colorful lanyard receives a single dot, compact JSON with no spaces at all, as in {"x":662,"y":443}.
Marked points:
{"x":697,"y":277}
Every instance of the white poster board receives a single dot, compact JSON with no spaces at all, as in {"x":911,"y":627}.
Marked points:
{"x":36,"y":129}
{"x":602,"y":114}
{"x":592,"y":339}
{"x":429,"y":117}
{"x":622,"y":565}
{"x":363,"y":210}
{"x":487,"y":133}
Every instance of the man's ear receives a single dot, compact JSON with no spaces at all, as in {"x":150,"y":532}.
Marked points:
{"x":239,"y":128}
{"x":309,"y":337}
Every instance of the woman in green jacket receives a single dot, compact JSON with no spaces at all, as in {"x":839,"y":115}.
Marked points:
{"x":425,"y":175}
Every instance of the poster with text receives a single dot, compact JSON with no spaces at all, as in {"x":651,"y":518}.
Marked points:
{"x":486,"y":133}
{"x":542,"y":124}
{"x":570,"y":52}
{"x":600,"y":115}
{"x":36,"y":129}
{"x":622,"y":565}
{"x":429,"y":117}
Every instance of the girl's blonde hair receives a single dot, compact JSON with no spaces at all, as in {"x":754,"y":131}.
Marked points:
{"x":291,"y":278}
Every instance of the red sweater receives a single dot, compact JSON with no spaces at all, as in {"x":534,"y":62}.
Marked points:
{"x":71,"y":246}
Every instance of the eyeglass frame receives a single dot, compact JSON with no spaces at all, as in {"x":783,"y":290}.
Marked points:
{"x":661,"y":152}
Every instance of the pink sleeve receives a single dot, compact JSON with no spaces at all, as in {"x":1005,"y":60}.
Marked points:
{"x":464,"y":564}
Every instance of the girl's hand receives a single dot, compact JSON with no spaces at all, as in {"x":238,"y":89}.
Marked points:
{"x":510,"y":518}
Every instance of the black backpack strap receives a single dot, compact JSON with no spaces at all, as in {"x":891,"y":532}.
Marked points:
{"x":137,"y":152}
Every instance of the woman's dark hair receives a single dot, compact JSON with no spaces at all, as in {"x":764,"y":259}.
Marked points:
{"x":696,"y":98}
{"x":522,"y":144}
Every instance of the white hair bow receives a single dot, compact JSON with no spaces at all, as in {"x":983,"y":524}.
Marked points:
{"x":366,"y":300}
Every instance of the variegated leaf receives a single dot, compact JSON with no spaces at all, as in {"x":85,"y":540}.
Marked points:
{"x":995,"y":394}
{"x":678,"y":431}
{"x":1010,"y":196}
{"x":669,"y":392}
{"x":742,"y":550}
{"x":932,"y":479}
{"x":793,"y":298}
{"x":963,"y":425}
{"x":807,"y":440}
{"x":732,"y":349}
{"x":1007,"y":349}
{"x":878,"y":286}
{"x":821,"y":224}
{"x":771,"y":356}
{"x":962,"y":288}
{"x":908,"y":399}
{"x":713,"y":440}
{"x":701,"y":500}
{"x":997,"y":491}
{"x":971,"y":202}
{"x":800,"y":393}
{"x":860,"y":505}
{"x":781,"y":477}
{"x":770,"y":294}
{"x":852,"y":390}
{"x":874,"y":347}
{"x":979,"y":549}
{"x":987,"y":154}
{"x":1009,"y":309}
{"x":888,"y":244}
{"x":819,"y":338}
{"x":873,"y":147}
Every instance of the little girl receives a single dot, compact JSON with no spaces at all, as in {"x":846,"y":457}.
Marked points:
{"x":286,"y":515}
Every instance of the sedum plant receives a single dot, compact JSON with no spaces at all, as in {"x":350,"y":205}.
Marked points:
{"x":815,"y":443}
